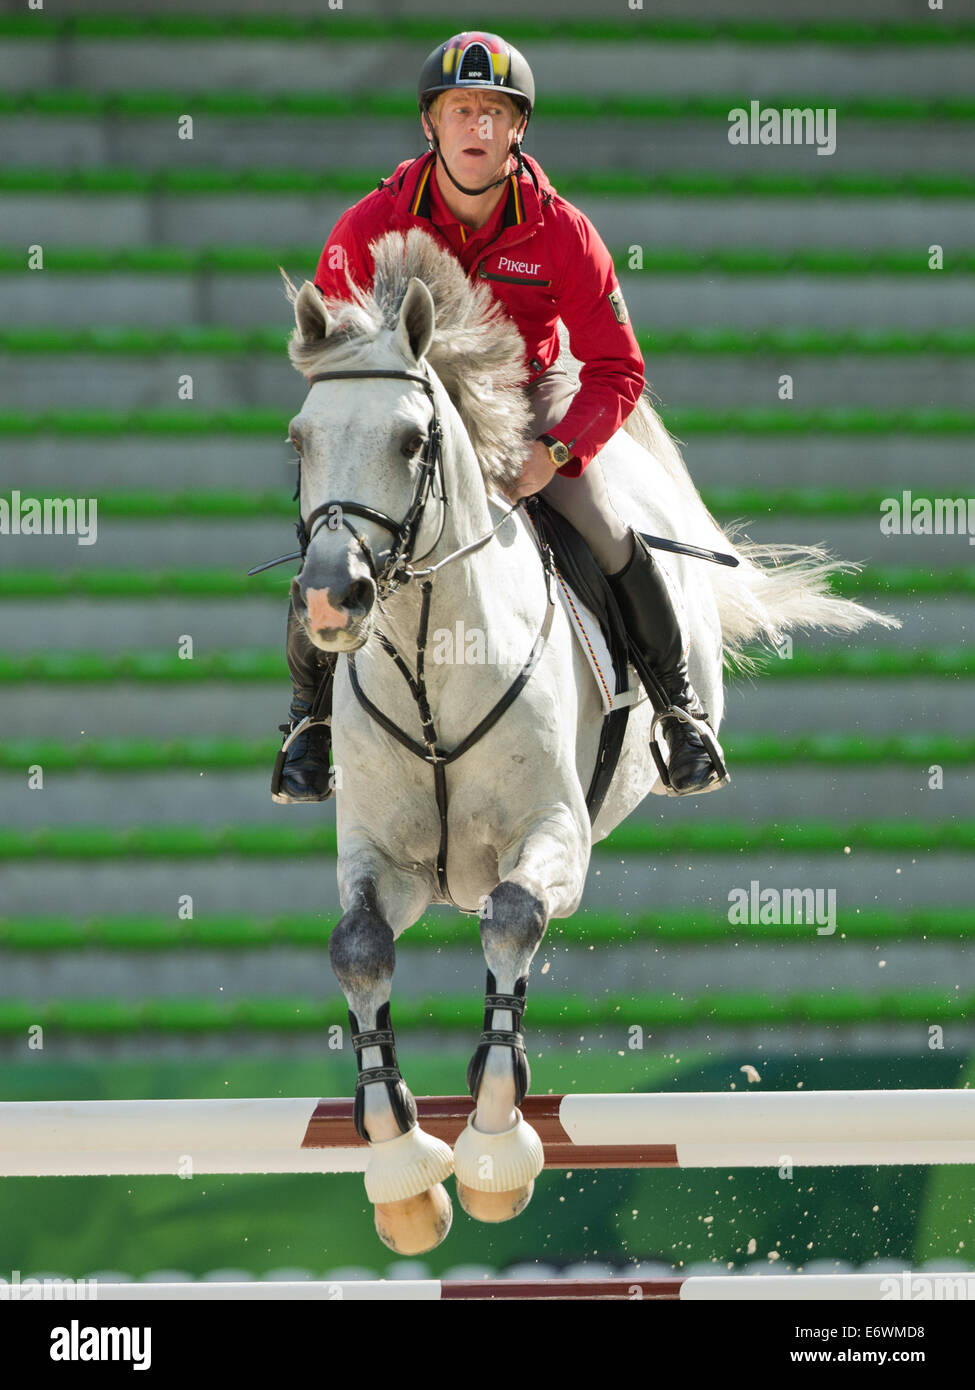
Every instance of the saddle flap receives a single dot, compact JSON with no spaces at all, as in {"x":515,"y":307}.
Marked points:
{"x":575,"y":564}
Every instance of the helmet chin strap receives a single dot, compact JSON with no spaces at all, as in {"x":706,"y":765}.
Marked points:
{"x":476,"y":192}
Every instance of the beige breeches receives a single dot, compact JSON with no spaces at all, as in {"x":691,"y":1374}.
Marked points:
{"x":584,"y":501}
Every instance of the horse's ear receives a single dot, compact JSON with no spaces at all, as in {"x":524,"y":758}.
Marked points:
{"x":417,"y":320}
{"x":311,"y":316}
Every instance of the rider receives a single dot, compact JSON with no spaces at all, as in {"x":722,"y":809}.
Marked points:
{"x":479,"y":196}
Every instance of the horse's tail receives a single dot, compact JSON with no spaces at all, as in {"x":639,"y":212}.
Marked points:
{"x":775,"y":587}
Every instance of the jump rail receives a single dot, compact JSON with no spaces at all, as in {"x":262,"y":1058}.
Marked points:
{"x":679,"y":1130}
{"x":765,"y":1287}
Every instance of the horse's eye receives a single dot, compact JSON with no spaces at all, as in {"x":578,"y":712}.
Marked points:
{"x":413,"y":445}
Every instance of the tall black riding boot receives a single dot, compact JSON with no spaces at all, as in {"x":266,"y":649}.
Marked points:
{"x":696,"y":761}
{"x":301,"y":770}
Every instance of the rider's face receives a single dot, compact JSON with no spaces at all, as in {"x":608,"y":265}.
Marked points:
{"x":476,"y":130}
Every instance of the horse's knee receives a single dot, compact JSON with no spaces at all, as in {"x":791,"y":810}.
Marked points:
{"x":361,"y":945}
{"x":513,"y":917}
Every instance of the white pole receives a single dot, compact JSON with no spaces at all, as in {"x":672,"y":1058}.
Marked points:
{"x":89,"y":1138}
{"x":707,"y":1130}
{"x":728,"y":1129}
{"x":892,"y":1287}
{"x":845,"y":1287}
{"x":417,"y":1290}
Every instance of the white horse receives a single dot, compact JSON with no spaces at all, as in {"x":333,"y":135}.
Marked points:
{"x":431,"y":352}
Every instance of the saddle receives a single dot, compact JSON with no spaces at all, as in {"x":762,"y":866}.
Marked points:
{"x":574,"y":563}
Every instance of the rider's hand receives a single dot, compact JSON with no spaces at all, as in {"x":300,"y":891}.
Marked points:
{"x":539,"y":470}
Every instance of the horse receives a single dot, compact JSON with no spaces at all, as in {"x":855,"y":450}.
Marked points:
{"x":463,"y":782}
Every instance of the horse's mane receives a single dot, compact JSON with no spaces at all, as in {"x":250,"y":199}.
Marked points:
{"x":477,"y":351}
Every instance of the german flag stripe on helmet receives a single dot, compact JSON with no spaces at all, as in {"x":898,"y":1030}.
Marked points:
{"x":495,"y":48}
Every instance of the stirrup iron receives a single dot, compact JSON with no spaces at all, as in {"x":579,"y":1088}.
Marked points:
{"x":703,"y":731}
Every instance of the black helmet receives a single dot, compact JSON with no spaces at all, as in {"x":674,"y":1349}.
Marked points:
{"x":477,"y":59}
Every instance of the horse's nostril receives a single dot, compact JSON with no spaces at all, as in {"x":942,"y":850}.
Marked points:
{"x":359,"y":596}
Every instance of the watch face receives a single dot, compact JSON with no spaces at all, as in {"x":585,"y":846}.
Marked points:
{"x":560,"y":453}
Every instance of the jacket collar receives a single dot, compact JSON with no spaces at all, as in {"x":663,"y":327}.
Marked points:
{"x":409,"y":186}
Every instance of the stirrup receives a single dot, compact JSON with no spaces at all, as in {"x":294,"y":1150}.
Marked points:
{"x":305,"y":723}
{"x":703,"y":731}
{"x":292,"y":732}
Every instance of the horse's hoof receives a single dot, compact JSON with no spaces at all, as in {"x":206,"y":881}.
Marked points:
{"x":416,"y":1224}
{"x":494,"y":1206}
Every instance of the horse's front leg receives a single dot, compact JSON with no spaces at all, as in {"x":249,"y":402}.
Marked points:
{"x":499,"y":1155}
{"x":406,"y":1166}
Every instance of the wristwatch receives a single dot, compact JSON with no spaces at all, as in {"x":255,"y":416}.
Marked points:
{"x":560,"y":452}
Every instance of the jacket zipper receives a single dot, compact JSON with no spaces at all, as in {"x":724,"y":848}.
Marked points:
{"x":510,"y":279}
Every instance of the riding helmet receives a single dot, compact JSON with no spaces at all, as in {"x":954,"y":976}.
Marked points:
{"x":477,"y":59}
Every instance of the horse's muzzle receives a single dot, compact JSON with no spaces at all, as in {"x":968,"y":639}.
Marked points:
{"x":335,"y":621}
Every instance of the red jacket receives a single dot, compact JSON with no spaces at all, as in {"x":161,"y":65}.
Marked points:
{"x":542,"y":258}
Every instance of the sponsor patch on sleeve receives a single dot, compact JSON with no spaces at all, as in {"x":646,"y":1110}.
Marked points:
{"x":615,"y":298}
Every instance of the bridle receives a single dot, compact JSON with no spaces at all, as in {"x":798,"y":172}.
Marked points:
{"x":399,"y":568}
{"x":404,"y":532}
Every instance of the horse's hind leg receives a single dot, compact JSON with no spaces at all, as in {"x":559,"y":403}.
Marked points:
{"x":404,"y":1179}
{"x":499,"y":1155}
